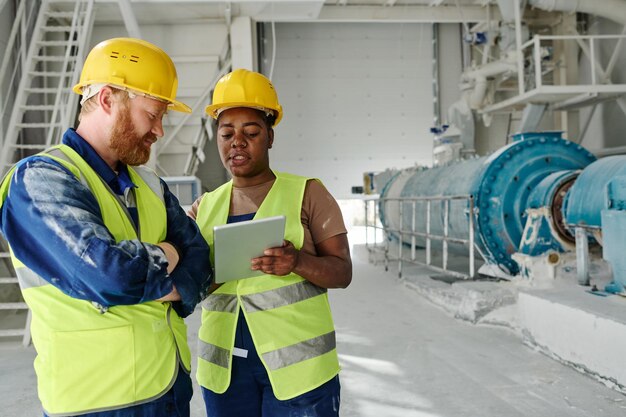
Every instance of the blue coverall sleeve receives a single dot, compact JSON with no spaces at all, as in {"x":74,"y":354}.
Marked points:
{"x":193,"y":274}
{"x":54,"y":226}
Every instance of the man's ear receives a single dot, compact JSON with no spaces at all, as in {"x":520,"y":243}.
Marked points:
{"x":270,"y":138}
{"x":106,"y":99}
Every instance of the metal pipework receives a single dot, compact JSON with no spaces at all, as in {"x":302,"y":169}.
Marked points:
{"x":500,"y":185}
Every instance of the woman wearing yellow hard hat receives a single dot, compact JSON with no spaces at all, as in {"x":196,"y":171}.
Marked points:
{"x":267,"y":344}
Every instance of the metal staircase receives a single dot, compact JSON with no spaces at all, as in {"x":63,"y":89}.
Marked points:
{"x":41,"y":63}
{"x":15,"y":313}
{"x":44,"y":104}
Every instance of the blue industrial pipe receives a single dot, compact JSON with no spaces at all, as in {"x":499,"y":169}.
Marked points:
{"x":597,"y":188}
{"x":500,"y":184}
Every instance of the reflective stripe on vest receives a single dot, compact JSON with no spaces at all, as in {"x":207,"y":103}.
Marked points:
{"x":299,"y":352}
{"x":298,"y":355}
{"x":282,"y":296}
{"x":140,"y":345}
{"x":268,"y":300}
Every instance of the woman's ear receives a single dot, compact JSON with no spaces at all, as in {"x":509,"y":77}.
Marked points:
{"x":270,"y":138}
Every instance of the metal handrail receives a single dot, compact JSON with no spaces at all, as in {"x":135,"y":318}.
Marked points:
{"x":81,"y":29}
{"x":413,"y":233}
{"x":20,"y":33}
{"x":590,"y":52}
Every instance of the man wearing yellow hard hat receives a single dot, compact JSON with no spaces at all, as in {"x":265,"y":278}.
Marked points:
{"x":107,"y":261}
{"x":267,"y":343}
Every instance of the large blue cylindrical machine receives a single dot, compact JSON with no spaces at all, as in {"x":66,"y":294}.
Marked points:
{"x":533,"y":169}
{"x":597,"y":203}
{"x":597,"y":188}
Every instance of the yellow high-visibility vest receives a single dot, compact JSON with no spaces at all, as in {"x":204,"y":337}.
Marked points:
{"x":289,"y":317}
{"x":89,"y":360}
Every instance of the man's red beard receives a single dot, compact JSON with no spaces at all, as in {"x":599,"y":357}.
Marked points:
{"x":131,"y":148}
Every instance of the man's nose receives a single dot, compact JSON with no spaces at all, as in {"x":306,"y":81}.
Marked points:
{"x":157,"y":128}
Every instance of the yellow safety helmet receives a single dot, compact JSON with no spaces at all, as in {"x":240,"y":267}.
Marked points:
{"x":243,"y":88}
{"x":132,"y":64}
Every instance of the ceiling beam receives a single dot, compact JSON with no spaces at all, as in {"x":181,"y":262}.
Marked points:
{"x":130,"y":21}
{"x":417,"y":14}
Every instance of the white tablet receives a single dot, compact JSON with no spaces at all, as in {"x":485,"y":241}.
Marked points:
{"x":235,"y":245}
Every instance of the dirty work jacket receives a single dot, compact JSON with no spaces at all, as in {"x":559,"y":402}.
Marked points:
{"x":289,"y":317}
{"x":94,"y":359}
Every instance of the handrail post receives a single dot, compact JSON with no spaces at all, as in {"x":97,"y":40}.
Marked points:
{"x":428,"y":207}
{"x":401,"y":213}
{"x":413,"y":232}
{"x":446,"y":219}
{"x":518,"y":44}
{"x":375,"y":225}
{"x":471,"y":237}
{"x":366,"y":222}
{"x":537,"y":56}
{"x":592,"y":59}
{"x":386,"y":244}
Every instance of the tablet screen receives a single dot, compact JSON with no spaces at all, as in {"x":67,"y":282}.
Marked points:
{"x":235,"y":245}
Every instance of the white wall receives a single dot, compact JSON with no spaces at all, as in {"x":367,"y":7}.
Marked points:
{"x":357,"y":98}
{"x":450,"y":66}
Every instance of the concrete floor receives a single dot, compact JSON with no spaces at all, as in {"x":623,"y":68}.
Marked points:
{"x":403,"y":356}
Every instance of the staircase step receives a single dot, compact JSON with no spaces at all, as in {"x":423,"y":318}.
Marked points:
{"x":60,"y":14}
{"x":49,"y":58}
{"x":13,"y":306}
{"x":12,"y":332}
{"x":57,"y":43}
{"x":37,"y":125}
{"x":35,"y":147}
{"x":38,"y":107}
{"x":8,"y":280}
{"x":57,"y":28}
{"x":48,"y":73}
{"x":41,"y":90}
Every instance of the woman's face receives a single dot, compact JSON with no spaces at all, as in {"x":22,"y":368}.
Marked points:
{"x":244,"y":140}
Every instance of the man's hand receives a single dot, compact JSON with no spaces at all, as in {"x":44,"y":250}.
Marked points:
{"x":171,"y":254}
{"x":173,"y":296}
{"x":172,"y":260}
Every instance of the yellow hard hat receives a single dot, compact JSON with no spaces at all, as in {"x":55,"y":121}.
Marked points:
{"x":132,"y":64}
{"x":243,"y":88}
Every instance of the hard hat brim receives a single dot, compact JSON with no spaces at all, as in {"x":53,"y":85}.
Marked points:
{"x":172,"y":104}
{"x":179,"y":106}
{"x":212,"y":109}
